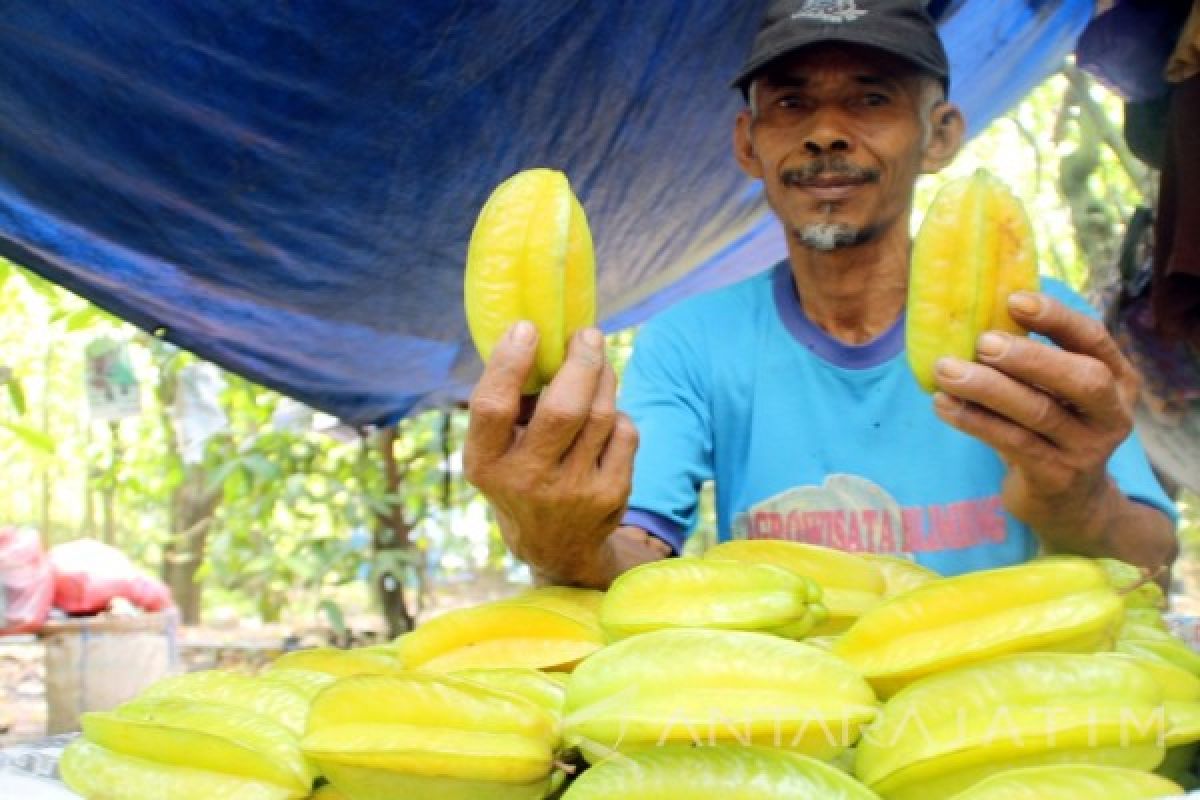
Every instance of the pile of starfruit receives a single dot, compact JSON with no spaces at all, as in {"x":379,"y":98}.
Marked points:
{"x":762,"y":670}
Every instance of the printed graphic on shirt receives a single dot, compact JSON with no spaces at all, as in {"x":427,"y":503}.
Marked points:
{"x":852,"y":513}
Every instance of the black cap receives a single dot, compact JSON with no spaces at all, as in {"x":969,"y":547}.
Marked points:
{"x":900,"y":27}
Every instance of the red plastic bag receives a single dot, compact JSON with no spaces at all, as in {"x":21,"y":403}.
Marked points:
{"x":26,"y":579}
{"x":89,"y":575}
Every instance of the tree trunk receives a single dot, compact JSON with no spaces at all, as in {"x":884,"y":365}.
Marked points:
{"x":392,"y":534}
{"x":47,"y":482}
{"x":110,"y":490}
{"x":192,"y":509}
{"x":1097,"y":228}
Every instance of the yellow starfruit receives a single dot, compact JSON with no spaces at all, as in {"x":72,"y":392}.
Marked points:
{"x":1064,"y":604}
{"x":214,"y":738}
{"x":1071,"y":782}
{"x":97,"y":773}
{"x":727,"y":772}
{"x":947,"y":731}
{"x":707,"y":593}
{"x":531,"y":258}
{"x":698,"y":686}
{"x":506,"y":633}
{"x":975,"y":248}
{"x":850,"y":585}
{"x":427,"y":735}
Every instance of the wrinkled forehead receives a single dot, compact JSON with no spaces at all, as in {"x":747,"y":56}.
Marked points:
{"x":838,"y":60}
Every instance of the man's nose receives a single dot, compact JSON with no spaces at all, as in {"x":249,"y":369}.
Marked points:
{"x":826,"y":136}
{"x":823,"y":145}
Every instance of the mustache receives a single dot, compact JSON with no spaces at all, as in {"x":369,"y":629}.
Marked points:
{"x":826,"y":168}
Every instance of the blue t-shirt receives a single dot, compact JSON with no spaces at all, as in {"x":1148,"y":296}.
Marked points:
{"x":811,"y":439}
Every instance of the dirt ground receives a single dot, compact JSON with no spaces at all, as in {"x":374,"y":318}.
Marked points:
{"x":22,"y":690}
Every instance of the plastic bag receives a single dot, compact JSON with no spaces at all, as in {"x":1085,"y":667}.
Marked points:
{"x":26,"y":580}
{"x":89,"y":575}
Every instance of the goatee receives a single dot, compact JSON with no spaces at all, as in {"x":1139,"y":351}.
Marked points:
{"x":829,"y":236}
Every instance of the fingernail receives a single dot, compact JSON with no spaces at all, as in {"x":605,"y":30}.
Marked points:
{"x":592,"y":338}
{"x":951,"y":369}
{"x":1025,"y":303}
{"x":945,"y":403}
{"x":522,"y":333}
{"x":992,"y":345}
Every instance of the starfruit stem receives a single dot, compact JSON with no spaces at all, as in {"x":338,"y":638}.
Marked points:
{"x":566,"y":767}
{"x":1148,"y":575}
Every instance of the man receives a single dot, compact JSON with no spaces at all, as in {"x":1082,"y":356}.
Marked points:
{"x":791,"y":389}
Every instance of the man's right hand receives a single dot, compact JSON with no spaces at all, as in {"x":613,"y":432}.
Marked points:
{"x":560,"y":485}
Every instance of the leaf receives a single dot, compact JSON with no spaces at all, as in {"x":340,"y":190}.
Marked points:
{"x":83,"y":318}
{"x":261,"y":467}
{"x":336,"y":619}
{"x":218,"y":477}
{"x":32,"y":437}
{"x":40,"y":285}
{"x":16,"y":394}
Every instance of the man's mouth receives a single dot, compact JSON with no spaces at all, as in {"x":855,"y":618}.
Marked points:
{"x":828,"y":179}
{"x":831,"y":191}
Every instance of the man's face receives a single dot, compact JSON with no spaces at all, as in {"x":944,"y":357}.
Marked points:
{"x":837,"y":142}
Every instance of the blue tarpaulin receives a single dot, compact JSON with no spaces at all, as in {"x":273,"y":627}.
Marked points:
{"x":286,"y":187}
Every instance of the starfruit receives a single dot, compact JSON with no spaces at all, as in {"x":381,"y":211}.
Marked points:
{"x":1176,"y":683}
{"x":1064,"y":604}
{"x":430,"y":737}
{"x":1071,"y":782}
{"x":210,"y":737}
{"x":560,"y":597}
{"x":727,"y":772}
{"x":339,"y":663}
{"x":1150,"y":617}
{"x":506,"y":633}
{"x":975,"y":248}
{"x":1154,"y":643}
{"x":849,"y":584}
{"x":900,"y":574}
{"x":1183,"y":722}
{"x":708,"y":593}
{"x":948,"y":731}
{"x":531,"y":258}
{"x":696,"y":686}
{"x":97,"y":773}
{"x":546,"y":689}
{"x":280,"y":702}
{"x":1134,"y":584}
{"x":328,"y":792}
{"x":305,"y":682}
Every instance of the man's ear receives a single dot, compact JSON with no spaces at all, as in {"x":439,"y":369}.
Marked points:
{"x":743,"y":145}
{"x":947,"y":130}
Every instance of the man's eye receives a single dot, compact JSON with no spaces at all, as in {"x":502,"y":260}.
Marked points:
{"x":876,"y":99}
{"x":790,"y":101}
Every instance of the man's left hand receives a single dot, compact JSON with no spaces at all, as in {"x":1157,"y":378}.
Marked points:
{"x":1054,"y":414}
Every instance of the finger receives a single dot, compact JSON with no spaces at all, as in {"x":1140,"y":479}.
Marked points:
{"x":1019,"y":402}
{"x":1069,"y":329}
{"x":1015,"y":444}
{"x":563,"y":407}
{"x":589,"y":444}
{"x":496,"y":401}
{"x":1081,"y":380}
{"x":616,"y":462}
